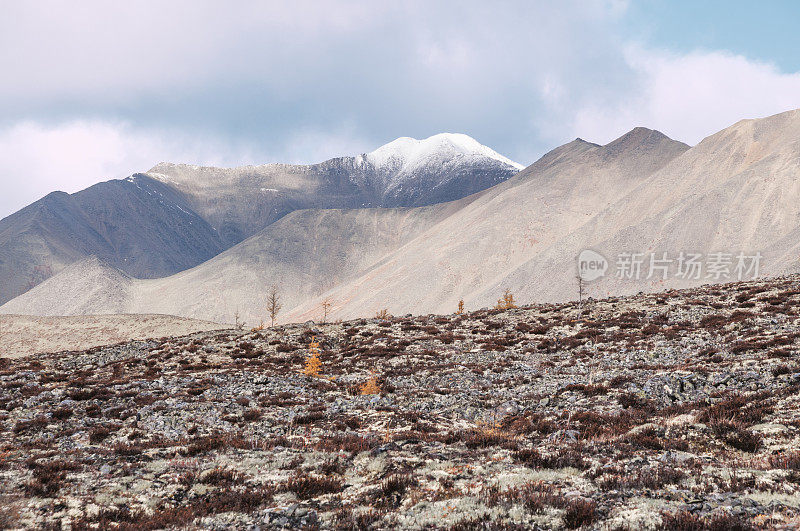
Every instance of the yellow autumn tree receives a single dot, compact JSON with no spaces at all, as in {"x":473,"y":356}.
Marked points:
{"x":460,"y":307}
{"x":371,"y":387}
{"x":506,"y":302}
{"x":313,"y":363}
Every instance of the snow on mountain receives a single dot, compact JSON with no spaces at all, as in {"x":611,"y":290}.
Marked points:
{"x":239,"y":202}
{"x":177,"y":216}
{"x":409,"y":154}
{"x":443,"y":167}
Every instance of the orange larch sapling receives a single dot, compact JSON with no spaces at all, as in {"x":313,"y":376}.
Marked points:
{"x":313,"y":363}
{"x":506,"y":302}
{"x":371,"y":387}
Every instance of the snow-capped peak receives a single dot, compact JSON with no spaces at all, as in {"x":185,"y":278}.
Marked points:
{"x":407,"y":154}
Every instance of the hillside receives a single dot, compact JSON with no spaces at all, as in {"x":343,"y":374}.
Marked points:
{"x":726,"y":201}
{"x":305,"y":253}
{"x":670,"y":411}
{"x":138,"y":225}
{"x":473,"y":254}
{"x":429,"y":256}
{"x":733,"y":193}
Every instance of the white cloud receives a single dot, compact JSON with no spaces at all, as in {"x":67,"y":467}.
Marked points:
{"x":311,"y":145}
{"x":36,"y":159}
{"x":117,"y":51}
{"x":388,"y":66}
{"x":254,"y":82}
{"x":689,"y":97}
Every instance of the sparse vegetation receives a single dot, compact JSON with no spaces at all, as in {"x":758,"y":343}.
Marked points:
{"x":579,"y":513}
{"x":309,"y":486}
{"x":670,"y":402}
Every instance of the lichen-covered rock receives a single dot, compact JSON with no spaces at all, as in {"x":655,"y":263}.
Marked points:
{"x":667,"y":410}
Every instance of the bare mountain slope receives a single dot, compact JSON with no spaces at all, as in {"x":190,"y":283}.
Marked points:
{"x":735,"y":192}
{"x":408,"y":257}
{"x":87,"y":287}
{"x":138,"y":225}
{"x":505,"y":227}
{"x":178,"y":216}
{"x":305,"y":253}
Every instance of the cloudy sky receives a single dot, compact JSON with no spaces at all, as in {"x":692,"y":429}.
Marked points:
{"x":94,"y":90}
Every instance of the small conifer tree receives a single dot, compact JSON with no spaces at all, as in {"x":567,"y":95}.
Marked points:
{"x":273,"y":303}
{"x":313,"y":364}
{"x":371,"y":387}
{"x":326,"y":308}
{"x":506,"y":302}
{"x":581,"y":289}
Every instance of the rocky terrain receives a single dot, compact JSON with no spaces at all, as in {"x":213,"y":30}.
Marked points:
{"x":675,"y":410}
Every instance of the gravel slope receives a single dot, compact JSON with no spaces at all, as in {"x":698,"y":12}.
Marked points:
{"x":671,"y":411}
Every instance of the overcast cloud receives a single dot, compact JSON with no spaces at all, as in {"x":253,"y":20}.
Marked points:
{"x":96,"y":90}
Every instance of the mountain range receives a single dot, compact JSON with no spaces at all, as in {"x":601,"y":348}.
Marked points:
{"x":174,"y":217}
{"x":414,"y":227}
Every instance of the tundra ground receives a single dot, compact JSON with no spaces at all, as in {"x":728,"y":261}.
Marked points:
{"x":677,"y":410}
